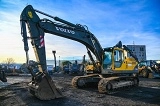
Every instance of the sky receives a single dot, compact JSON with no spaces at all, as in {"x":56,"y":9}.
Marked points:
{"x":109,"y":20}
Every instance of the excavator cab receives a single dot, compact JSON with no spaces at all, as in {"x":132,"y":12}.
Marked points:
{"x":107,"y":61}
{"x":116,"y":60}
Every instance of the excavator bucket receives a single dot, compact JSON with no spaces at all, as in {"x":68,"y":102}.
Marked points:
{"x":44,"y":88}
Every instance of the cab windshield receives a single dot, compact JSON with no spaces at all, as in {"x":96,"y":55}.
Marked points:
{"x":107,"y":60}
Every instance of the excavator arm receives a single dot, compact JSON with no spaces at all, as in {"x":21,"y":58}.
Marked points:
{"x":131,"y":54}
{"x":37,"y":28}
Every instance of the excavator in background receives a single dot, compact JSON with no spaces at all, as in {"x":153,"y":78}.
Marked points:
{"x":74,"y":68}
{"x":149,"y":69}
{"x":114,"y":70}
{"x":89,"y":68}
{"x":77,"y":68}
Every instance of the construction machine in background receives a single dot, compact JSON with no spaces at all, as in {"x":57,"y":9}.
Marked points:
{"x":66,"y":67}
{"x":74,"y":68}
{"x":77,"y":68}
{"x":114,"y":70}
{"x":89,"y":68}
{"x":149,"y":69}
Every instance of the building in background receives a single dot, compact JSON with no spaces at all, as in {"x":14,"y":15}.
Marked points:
{"x":139,"y":51}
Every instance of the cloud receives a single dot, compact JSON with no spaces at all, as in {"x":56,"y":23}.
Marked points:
{"x":109,"y":21}
{"x":64,"y":47}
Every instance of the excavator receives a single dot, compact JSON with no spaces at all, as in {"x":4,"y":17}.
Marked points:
{"x":114,"y":70}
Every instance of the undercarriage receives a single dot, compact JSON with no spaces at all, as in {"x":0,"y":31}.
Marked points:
{"x":107,"y":85}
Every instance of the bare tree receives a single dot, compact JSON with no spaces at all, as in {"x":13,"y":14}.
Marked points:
{"x":9,"y":62}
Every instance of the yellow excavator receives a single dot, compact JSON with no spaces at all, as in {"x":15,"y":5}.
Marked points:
{"x":113,"y":68}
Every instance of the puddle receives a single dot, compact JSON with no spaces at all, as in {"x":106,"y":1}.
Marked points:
{"x":156,"y":87}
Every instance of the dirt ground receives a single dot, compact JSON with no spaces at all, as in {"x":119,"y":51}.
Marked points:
{"x":147,"y":94}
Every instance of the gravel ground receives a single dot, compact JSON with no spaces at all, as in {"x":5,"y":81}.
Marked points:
{"x":16,"y":94}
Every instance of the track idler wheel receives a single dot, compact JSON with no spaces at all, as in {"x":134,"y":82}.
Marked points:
{"x":104,"y":86}
{"x":45,"y":89}
{"x":78,"y":82}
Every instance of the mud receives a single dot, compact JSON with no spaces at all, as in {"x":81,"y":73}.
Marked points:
{"x":16,"y":94}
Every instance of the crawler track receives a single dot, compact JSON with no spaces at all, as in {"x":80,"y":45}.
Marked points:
{"x":108,"y":85}
{"x":85,"y":81}
{"x":115,"y":84}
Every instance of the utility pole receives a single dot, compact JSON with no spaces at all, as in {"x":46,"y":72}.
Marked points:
{"x":54,"y":52}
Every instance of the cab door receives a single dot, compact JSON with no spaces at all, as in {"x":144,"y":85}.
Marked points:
{"x":118,"y":59}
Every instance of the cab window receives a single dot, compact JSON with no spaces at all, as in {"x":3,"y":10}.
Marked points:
{"x":118,"y":58}
{"x":107,"y":60}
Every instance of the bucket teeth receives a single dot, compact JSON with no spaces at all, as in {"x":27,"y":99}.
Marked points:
{"x":44,"y":90}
